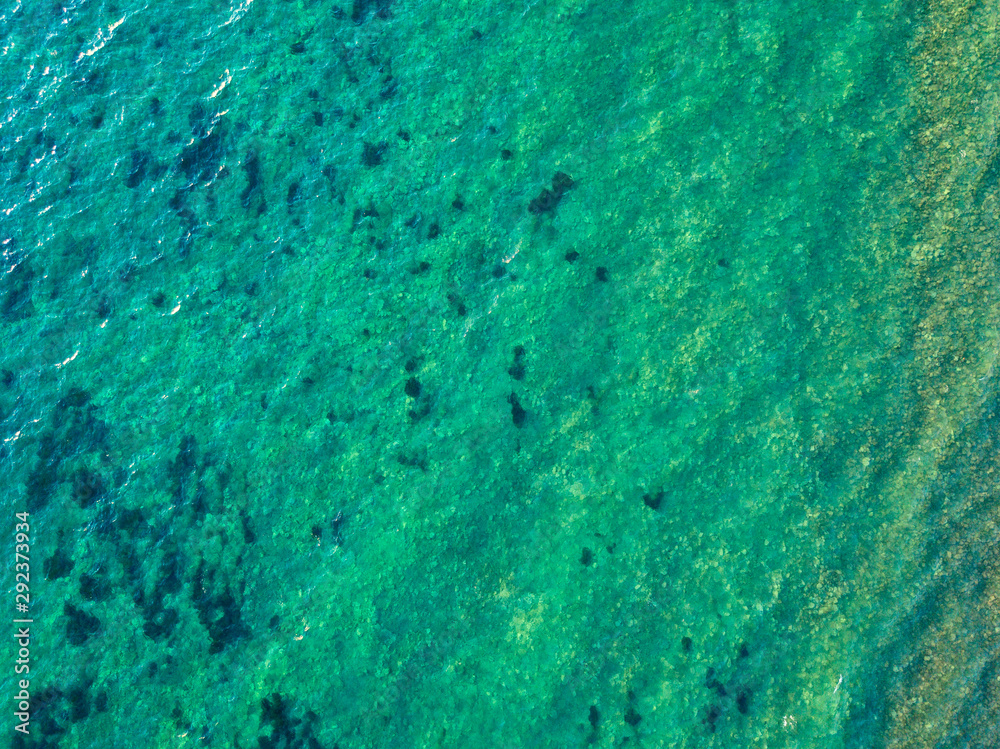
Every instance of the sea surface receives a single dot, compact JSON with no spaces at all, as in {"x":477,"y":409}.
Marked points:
{"x":549,"y":373}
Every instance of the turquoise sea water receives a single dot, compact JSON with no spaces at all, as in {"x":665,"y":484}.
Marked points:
{"x":545,"y":374}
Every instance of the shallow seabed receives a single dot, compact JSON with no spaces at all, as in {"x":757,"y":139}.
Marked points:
{"x":543,"y":374}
